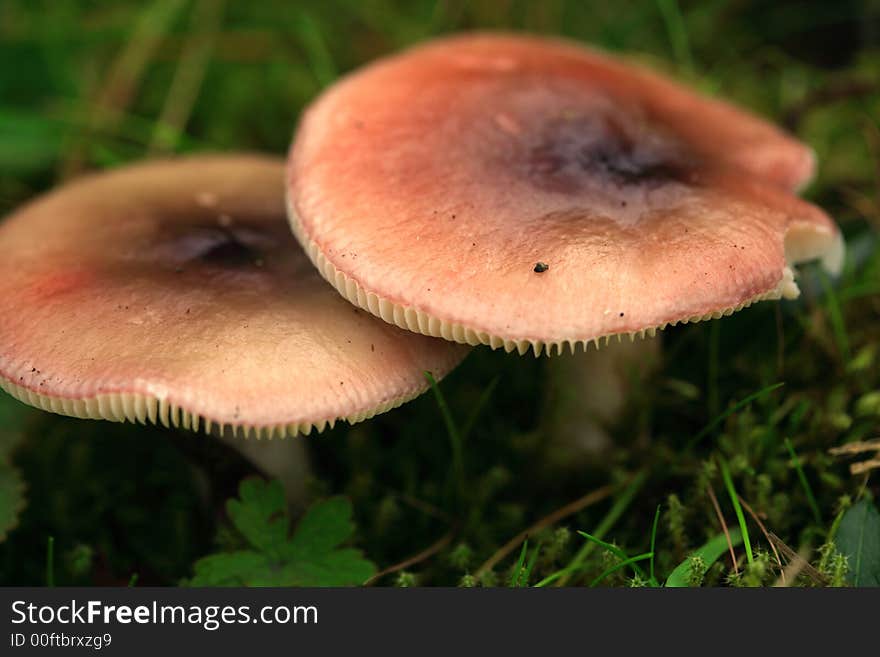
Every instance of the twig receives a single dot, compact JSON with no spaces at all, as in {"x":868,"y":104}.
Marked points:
{"x":864,"y":466}
{"x":766,"y":534}
{"x":723,"y":527}
{"x":797,"y":562}
{"x":569,"y":509}
{"x":424,"y":507}
{"x":872,"y":445}
{"x":427,"y":553}
{"x":859,"y":448}
{"x":793,"y":569}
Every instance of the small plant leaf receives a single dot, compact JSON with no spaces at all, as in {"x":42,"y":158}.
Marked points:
{"x":311,"y":557}
{"x":312,"y":554}
{"x":705,"y":555}
{"x":231,"y":569}
{"x":260,"y":514}
{"x":858,"y":539}
{"x":323,"y":527}
{"x":345,"y":567}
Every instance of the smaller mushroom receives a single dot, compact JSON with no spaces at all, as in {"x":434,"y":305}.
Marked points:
{"x":173,"y":292}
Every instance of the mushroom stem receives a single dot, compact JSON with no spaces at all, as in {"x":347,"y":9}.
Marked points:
{"x":285,"y":459}
{"x":587,"y":394}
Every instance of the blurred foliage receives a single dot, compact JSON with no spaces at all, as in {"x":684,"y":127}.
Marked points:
{"x":91,"y":84}
{"x":12,"y":418}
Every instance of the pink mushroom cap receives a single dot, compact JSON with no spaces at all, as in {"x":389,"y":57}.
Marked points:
{"x":525,"y":192}
{"x":173,"y":292}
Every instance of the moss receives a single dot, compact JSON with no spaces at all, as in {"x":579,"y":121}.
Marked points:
{"x":123,"y":499}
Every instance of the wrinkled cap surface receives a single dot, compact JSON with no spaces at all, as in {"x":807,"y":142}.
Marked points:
{"x":525,"y":192}
{"x":174,"y":292}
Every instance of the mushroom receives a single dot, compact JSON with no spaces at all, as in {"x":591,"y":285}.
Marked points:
{"x":522,"y":192}
{"x":173,"y":292}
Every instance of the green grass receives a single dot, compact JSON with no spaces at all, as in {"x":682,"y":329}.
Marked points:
{"x":678,"y":36}
{"x":737,"y":508}
{"x":739,"y":405}
{"x":614,"y":513}
{"x":802,"y":477}
{"x":748,"y":404}
{"x":456,"y":441}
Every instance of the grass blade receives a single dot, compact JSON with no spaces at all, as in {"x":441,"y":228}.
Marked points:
{"x":517,"y":570}
{"x":455,"y":440}
{"x":192,"y":66}
{"x":734,"y":499}
{"x":678,"y":37}
{"x":478,"y":407}
{"x":620,"y":504}
{"x":631,"y":561}
{"x":835,"y":316}
{"x":547,"y":581}
{"x":617,"y":552}
{"x":730,"y":411}
{"x":709,"y":553}
{"x":653,"y":541}
{"x":609,"y":547}
{"x":311,"y":37}
{"x":817,"y":514}
{"x":550,"y":519}
{"x":530,"y":566}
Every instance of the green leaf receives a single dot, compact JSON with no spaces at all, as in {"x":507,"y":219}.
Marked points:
{"x":346,"y":567}
{"x":323,"y":527}
{"x":707,"y":554}
{"x":230,"y":569}
{"x":858,"y":539}
{"x":260,"y":514}
{"x":311,"y":557}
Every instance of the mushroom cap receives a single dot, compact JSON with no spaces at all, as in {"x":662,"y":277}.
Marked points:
{"x":174,"y":292}
{"x":518,"y":192}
